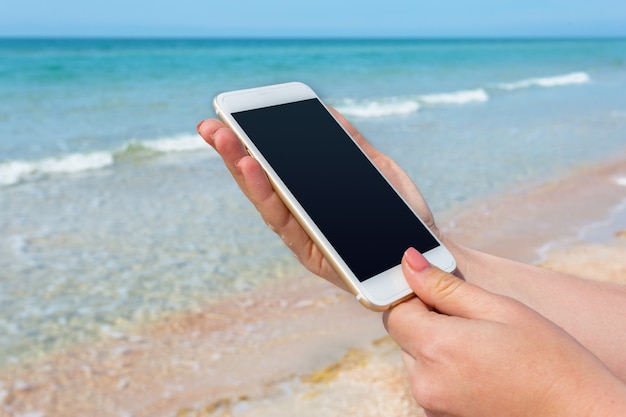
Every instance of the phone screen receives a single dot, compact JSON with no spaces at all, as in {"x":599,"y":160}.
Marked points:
{"x":360,"y":214}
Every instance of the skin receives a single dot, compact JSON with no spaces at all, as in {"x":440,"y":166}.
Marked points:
{"x":540,"y":341}
{"x":470,"y":352}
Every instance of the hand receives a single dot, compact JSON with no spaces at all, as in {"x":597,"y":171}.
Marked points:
{"x":469,"y":352}
{"x":252,"y":180}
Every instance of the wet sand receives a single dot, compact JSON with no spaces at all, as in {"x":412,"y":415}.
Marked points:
{"x":527,"y":222}
{"x":303,"y":347}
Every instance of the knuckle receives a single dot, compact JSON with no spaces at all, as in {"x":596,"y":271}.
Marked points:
{"x":384,"y":162}
{"x":393,"y":319}
{"x":427,"y":393}
{"x":431,"y":350}
{"x":444,"y":284}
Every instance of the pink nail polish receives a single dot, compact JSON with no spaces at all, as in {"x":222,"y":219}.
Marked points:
{"x":416,"y":260}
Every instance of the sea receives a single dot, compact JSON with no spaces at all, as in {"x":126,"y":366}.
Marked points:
{"x":114,"y":213}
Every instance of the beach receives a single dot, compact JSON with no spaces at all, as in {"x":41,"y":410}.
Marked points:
{"x":137,"y":280}
{"x":302,"y":346}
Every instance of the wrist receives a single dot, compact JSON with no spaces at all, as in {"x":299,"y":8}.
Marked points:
{"x":492,"y":273}
{"x":592,"y":398}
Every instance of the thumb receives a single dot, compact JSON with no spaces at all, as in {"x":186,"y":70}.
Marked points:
{"x":445,"y":292}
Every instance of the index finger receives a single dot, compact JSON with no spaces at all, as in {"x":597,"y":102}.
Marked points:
{"x":226,"y":143}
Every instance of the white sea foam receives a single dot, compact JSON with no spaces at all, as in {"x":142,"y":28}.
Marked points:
{"x":401,"y":106}
{"x":378,"y":108}
{"x":457,"y":97}
{"x":74,"y":163}
{"x":555,"y":81}
{"x":179,"y":143}
{"x":13,"y":172}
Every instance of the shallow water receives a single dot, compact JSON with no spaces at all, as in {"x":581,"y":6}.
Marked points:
{"x":114,"y":212}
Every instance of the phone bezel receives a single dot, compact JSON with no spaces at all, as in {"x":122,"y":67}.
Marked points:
{"x":376,"y":293}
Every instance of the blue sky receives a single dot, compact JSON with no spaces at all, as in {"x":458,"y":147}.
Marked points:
{"x":319,"y":18}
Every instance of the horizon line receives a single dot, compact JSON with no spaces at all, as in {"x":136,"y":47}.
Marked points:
{"x":311,"y":37}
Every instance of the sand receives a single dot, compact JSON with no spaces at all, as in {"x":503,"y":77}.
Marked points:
{"x":303,"y":347}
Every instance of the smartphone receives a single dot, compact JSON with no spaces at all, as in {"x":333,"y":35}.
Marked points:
{"x":353,"y":214}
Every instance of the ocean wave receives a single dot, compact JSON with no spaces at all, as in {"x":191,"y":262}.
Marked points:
{"x":13,"y":172}
{"x":554,"y":81}
{"x":477,"y":95}
{"x":402,"y":106}
{"x":178,"y":143}
{"x":378,"y":108}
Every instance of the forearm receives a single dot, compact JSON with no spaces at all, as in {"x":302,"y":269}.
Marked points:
{"x":593,"y":312}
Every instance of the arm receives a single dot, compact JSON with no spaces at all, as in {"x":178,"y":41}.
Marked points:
{"x":579,"y":306}
{"x":470,"y":352}
{"x":591,"y":311}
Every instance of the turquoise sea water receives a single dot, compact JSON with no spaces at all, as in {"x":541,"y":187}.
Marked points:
{"x":114,"y":212}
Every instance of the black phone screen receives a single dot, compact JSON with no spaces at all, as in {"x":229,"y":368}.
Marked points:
{"x":360,"y":214}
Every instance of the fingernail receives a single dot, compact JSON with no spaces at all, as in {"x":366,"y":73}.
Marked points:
{"x":198,"y":126}
{"x":416,"y":260}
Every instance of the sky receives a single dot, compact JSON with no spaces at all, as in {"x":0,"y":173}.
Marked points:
{"x":319,"y":18}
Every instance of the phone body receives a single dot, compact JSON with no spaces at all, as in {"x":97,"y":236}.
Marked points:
{"x":353,"y":214}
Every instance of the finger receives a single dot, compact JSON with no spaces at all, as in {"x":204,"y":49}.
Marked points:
{"x":280,"y":219}
{"x":445,"y":292}
{"x":206,"y":129}
{"x":254,"y":182}
{"x":225,"y":142}
{"x":411,"y":365}
{"x":409,"y":322}
{"x":273,"y":210}
{"x":232,"y":151}
{"x":407,"y":360}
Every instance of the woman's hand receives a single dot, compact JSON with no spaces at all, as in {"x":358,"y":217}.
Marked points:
{"x":470,"y":352}
{"x":252,"y":180}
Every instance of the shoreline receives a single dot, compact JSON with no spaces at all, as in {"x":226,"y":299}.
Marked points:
{"x":301,"y":346}
{"x":561,"y":211}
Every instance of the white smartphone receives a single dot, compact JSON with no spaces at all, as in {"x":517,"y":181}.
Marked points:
{"x":348,"y":208}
